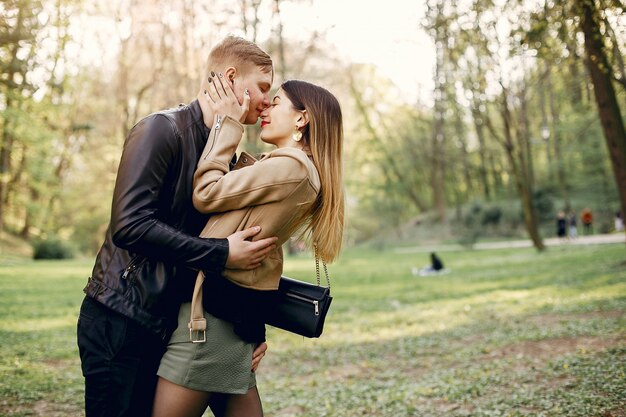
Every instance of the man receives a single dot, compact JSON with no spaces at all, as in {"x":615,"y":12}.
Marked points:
{"x":148,"y":262}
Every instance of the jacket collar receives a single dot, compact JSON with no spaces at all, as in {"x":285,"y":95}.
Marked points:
{"x":196,"y":115}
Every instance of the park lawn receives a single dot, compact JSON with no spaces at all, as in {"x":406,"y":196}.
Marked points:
{"x":507,"y":332}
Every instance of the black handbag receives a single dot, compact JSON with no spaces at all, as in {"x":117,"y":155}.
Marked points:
{"x":300,"y":307}
{"x":297,"y":306}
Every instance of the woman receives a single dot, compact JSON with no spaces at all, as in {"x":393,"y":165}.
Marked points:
{"x":295,"y":187}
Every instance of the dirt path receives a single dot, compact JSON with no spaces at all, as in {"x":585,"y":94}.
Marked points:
{"x":581,"y":240}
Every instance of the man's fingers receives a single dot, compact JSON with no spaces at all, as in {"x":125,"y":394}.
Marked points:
{"x":261,"y":254}
{"x":260,"y":350}
{"x":257,"y":355}
{"x":249,"y":232}
{"x":260,"y":249}
{"x":244,"y":254}
{"x":264,"y":243}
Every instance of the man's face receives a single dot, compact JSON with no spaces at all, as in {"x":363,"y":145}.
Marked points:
{"x":258,"y":84}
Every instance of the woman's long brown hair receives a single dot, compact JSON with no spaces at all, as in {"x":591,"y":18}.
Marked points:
{"x":323,"y":135}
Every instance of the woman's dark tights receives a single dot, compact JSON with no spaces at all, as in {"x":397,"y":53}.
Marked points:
{"x":172,"y":400}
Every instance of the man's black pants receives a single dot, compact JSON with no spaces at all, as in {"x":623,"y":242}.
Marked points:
{"x":119,"y":359}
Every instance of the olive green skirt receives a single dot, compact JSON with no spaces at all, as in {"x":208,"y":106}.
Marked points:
{"x":221,"y":364}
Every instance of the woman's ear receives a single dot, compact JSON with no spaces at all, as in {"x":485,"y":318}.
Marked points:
{"x":303,"y":120}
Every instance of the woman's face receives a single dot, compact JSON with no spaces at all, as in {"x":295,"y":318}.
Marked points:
{"x":279,"y":121}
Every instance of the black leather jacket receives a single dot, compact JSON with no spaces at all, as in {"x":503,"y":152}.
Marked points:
{"x":149,"y":260}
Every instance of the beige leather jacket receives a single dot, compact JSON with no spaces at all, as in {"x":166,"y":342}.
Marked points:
{"x":274,"y":193}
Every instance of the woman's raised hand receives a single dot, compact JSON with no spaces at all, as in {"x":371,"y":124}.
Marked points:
{"x":220,"y":98}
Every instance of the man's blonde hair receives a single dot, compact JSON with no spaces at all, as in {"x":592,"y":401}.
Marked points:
{"x":240,"y":53}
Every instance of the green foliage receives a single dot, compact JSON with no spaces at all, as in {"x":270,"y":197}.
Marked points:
{"x":66,"y":135}
{"x":13,"y":248}
{"x":491,"y":215}
{"x":544,"y":204}
{"x":487,"y":220}
{"x":472,"y":224}
{"x":52,"y":248}
{"x":506,"y":332}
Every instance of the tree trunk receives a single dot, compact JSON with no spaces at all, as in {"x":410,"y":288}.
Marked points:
{"x":544,"y":129}
{"x":606,"y":100}
{"x":522,"y":180}
{"x":482,"y":151}
{"x":460,"y":130}
{"x":576,"y":81}
{"x":438,"y":134}
{"x":617,"y":53}
{"x":525,"y":145}
{"x":12,"y":101}
{"x":556,"y":143}
{"x":6,"y":146}
{"x":281,"y":42}
{"x":517,"y":170}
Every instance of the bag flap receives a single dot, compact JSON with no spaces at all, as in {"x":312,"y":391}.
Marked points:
{"x":303,"y":289}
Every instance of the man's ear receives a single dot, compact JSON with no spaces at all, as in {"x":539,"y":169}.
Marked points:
{"x":230,"y":73}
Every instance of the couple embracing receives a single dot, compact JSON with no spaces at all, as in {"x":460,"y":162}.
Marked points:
{"x":183,"y":205}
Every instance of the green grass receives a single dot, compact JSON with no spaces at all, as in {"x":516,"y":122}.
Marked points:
{"x":13,"y":248}
{"x":506,"y":333}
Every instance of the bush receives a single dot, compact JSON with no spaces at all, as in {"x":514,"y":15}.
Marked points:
{"x":471,"y":227}
{"x":544,"y":204}
{"x":491,"y":215}
{"x":52,"y":248}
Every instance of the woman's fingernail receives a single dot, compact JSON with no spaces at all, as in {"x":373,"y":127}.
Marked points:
{"x":221,"y":75}
{"x":212,"y":74}
{"x":204,"y":91}
{"x":246,"y":92}
{"x":210,"y":80}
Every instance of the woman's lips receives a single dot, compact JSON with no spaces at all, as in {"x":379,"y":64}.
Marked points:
{"x":264,"y":123}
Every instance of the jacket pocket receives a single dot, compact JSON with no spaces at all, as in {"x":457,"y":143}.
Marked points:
{"x":129,"y":274}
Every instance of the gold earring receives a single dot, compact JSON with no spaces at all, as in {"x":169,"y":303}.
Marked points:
{"x":297,"y":135}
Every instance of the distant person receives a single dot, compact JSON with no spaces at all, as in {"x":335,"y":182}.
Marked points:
{"x":573,"y":229}
{"x":561,"y":223}
{"x":619,"y":221}
{"x":435,"y":267}
{"x":586,"y":218}
{"x":436,"y":263}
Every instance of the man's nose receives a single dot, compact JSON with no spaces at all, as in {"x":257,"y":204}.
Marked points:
{"x":266,"y":101}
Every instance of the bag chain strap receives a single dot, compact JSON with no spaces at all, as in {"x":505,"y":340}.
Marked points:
{"x":317,"y":268}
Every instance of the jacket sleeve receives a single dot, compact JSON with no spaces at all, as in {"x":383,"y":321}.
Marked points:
{"x":151,"y":155}
{"x":271,"y":179}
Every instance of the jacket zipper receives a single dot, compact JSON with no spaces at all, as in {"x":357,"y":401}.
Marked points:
{"x":315,"y":303}
{"x":131,"y":267}
{"x":128,"y":270}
